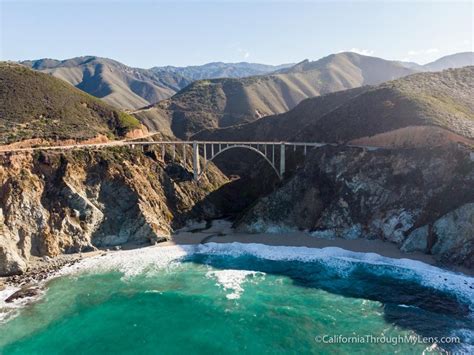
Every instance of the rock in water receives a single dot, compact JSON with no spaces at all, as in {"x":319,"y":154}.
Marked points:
{"x":29,"y":291}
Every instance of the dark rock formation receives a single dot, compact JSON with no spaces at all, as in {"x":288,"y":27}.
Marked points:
{"x":421,"y":199}
{"x":27,"y":291}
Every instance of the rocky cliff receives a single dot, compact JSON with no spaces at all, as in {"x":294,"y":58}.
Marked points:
{"x":420,"y":199}
{"x":53,"y":203}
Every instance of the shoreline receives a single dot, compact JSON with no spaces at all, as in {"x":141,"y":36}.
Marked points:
{"x":45,"y":268}
{"x":222,"y":232}
{"x":21,"y":291}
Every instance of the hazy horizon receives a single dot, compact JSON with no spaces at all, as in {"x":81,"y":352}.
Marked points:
{"x":145,"y":34}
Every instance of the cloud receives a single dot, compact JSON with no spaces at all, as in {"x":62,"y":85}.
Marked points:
{"x":359,"y":51}
{"x":243,"y":52}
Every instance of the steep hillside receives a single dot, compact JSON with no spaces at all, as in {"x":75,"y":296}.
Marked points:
{"x":55,"y":202}
{"x":442,"y":99}
{"x":216,"y":103}
{"x":36,"y":105}
{"x":220,"y":70}
{"x":285,"y":125}
{"x":114,"y":82}
{"x":420,"y":199}
{"x":70,"y":202}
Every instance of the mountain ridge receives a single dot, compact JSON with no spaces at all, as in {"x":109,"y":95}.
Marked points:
{"x":134,"y":88}
{"x":208,"y":104}
{"x":112,"y":81}
{"x":441,"y":99}
{"x":215,"y":70}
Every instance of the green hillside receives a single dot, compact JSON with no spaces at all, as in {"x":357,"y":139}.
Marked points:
{"x":37,"y":105}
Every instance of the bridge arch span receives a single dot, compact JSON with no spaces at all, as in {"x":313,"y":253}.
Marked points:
{"x":239,"y":146}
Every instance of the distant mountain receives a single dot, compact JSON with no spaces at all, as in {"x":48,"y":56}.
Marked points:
{"x":220,"y":70}
{"x":208,"y":104}
{"x":114,"y":82}
{"x":457,"y":60}
{"x":36,"y":105}
{"x":277,"y":88}
{"x":420,"y":109}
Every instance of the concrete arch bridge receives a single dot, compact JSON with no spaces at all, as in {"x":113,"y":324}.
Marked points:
{"x":274,"y":153}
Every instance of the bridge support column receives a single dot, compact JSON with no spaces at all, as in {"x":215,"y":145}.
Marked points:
{"x":184,"y":155}
{"x":195,"y":160}
{"x":282,"y":160}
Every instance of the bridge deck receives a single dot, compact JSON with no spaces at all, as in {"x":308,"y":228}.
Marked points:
{"x":133,"y":143}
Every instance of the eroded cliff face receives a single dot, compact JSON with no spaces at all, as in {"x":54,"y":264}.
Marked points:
{"x":54,"y":203}
{"x":420,"y":199}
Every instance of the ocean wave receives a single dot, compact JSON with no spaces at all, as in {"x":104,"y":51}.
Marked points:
{"x":343,"y":261}
{"x":156,"y":258}
{"x":233,"y":280}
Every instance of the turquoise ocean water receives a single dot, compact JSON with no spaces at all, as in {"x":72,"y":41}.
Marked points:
{"x":229,"y":300}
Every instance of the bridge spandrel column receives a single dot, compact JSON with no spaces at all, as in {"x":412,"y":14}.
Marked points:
{"x":184,"y":155}
{"x":196,"y":160}
{"x":282,"y":160}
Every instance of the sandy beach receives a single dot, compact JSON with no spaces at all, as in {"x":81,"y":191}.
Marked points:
{"x":222,"y":232}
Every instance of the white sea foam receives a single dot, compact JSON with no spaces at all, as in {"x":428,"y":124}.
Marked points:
{"x":344,"y":262}
{"x":135,"y":262}
{"x":232,"y":280}
{"x":138,"y":261}
{"x":9,"y":310}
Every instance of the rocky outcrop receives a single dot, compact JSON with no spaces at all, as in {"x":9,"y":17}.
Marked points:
{"x":454,"y":237}
{"x":420,"y":199}
{"x":55,"y":203}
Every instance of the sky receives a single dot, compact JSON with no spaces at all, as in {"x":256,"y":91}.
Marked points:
{"x":156,"y":33}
